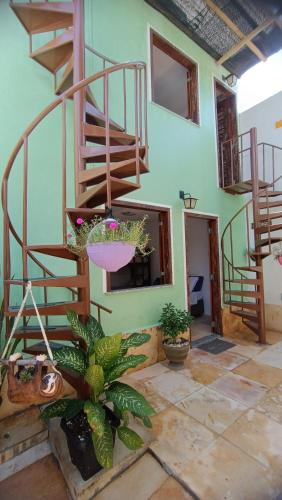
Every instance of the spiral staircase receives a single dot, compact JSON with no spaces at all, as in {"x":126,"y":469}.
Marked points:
{"x":106,"y":153}
{"x":258,"y":175}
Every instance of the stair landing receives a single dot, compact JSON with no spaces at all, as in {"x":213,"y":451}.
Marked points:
{"x":244,"y":187}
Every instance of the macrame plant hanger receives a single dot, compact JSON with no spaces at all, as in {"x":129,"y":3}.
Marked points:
{"x":46,"y":382}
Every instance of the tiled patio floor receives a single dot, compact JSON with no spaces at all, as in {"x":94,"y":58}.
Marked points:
{"x":217,"y":428}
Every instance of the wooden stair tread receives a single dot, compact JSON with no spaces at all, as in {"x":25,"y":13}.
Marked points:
{"x":52,"y":309}
{"x":97,"y":195}
{"x":270,"y":204}
{"x":66,"y":80}
{"x":253,"y":269}
{"x":78,"y":281}
{"x":271,"y":215}
{"x":246,"y":281}
{"x":242,"y":293}
{"x":118,"y":170}
{"x":61,"y":251}
{"x":271,"y":228}
{"x":244,"y":305}
{"x":94,"y":133}
{"x":117,"y":153}
{"x":247,"y":315}
{"x":267,"y":241}
{"x":56,"y":53}
{"x":54,"y":332}
{"x":95,"y":117}
{"x":253,"y":326}
{"x":259,"y":254}
{"x":269,"y":194}
{"x":44,"y":17}
{"x":84,"y":213}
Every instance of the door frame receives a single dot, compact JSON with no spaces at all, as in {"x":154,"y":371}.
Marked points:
{"x":214,"y":258}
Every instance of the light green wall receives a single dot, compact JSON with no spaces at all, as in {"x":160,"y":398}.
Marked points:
{"x":182,"y":155}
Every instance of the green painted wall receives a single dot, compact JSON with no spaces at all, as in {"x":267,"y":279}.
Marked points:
{"x":182,"y":155}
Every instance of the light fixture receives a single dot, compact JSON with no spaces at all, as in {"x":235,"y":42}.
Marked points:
{"x":231,"y":79}
{"x":189,"y":201}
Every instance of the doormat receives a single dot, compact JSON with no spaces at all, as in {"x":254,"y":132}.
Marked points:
{"x":203,"y":340}
{"x":216,"y":346}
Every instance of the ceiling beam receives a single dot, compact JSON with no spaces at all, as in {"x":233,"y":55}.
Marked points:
{"x":245,"y":40}
{"x":235,"y":29}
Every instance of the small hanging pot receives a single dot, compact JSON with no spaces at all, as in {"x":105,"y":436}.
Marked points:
{"x":109,"y":255}
{"x":35,"y":380}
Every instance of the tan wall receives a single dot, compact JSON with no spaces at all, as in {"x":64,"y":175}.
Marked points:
{"x":273,"y":317}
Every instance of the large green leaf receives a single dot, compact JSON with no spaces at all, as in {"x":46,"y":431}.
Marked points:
{"x":94,"y":376}
{"x":107,"y":350}
{"x":67,"y":408}
{"x":129,"y":438}
{"x":134,"y":340}
{"x":104,"y":446}
{"x":123,"y":365}
{"x":71,"y":357}
{"x":127,"y":398}
{"x":96,"y":417}
{"x":96,"y":331}
{"x":78,"y":328}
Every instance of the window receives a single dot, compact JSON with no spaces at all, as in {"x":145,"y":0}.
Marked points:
{"x":148,"y":270}
{"x":174,"y":79}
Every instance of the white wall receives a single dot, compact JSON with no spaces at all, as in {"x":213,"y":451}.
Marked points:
{"x":197,"y":246}
{"x":263,"y":116}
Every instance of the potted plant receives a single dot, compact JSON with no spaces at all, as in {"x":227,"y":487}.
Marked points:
{"x":109,"y":243}
{"x":91,"y":425}
{"x":175,"y":322}
{"x":277,"y":253}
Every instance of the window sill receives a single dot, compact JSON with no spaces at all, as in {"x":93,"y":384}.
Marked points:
{"x":138,"y":289}
{"x":186,"y":120}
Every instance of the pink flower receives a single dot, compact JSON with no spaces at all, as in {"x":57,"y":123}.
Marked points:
{"x":113,"y":225}
{"x":79,"y":221}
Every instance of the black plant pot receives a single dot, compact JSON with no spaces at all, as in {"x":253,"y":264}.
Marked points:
{"x":80,"y":445}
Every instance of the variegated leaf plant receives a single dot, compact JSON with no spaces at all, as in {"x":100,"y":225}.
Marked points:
{"x":104,"y":361}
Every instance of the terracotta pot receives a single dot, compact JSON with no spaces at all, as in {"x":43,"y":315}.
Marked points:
{"x":280,"y":260}
{"x":111,"y":255}
{"x":176,"y":353}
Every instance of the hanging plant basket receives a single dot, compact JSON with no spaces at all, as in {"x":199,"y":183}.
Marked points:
{"x":109,"y":244}
{"x":112,"y":255}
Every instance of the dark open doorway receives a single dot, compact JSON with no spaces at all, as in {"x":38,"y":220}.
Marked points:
{"x":227,"y":131}
{"x":203,"y":274}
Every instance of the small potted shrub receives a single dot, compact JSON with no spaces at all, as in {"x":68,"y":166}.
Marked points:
{"x":91,"y":425}
{"x":175,"y":322}
{"x":277,"y":253}
{"x":109,"y":243}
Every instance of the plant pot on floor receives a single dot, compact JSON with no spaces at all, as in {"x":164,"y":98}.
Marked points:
{"x":176,"y":353}
{"x":80,"y":445}
{"x":112,"y":255}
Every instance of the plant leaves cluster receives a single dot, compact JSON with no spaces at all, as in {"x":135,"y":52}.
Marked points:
{"x":174,"y":321}
{"x":104,"y":361}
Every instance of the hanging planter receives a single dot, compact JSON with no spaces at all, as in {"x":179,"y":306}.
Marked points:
{"x":109,"y":244}
{"x":35,"y":380}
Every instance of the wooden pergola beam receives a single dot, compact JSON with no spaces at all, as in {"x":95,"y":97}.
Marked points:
{"x":245,"y":40}
{"x":235,"y":29}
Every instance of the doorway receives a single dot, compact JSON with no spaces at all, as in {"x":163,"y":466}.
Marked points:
{"x":227,"y":132}
{"x":203,"y":274}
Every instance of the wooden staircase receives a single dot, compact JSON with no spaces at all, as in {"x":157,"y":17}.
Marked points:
{"x":243,"y":281}
{"x":105,"y":152}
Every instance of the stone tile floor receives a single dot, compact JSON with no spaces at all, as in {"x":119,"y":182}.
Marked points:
{"x":217,"y":428}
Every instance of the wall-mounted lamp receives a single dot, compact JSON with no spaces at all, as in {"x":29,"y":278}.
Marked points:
{"x":189,"y":201}
{"x":230,"y":79}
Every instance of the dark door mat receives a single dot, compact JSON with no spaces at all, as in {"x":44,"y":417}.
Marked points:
{"x":203,"y":340}
{"x":216,"y":346}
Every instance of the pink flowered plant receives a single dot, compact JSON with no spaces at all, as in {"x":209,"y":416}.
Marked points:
{"x":113,"y":225}
{"x":79,"y":221}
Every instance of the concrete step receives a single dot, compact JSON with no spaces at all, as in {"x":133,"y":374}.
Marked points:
{"x":23,"y":440}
